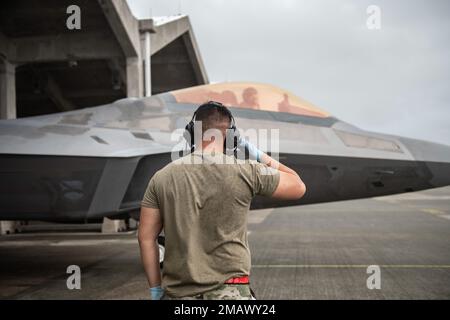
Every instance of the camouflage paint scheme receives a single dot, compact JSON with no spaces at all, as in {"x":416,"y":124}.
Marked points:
{"x":96,"y":162}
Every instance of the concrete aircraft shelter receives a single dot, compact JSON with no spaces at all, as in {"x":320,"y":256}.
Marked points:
{"x":45,"y":67}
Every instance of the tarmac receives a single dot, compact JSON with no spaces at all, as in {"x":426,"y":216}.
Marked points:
{"x":319,"y":251}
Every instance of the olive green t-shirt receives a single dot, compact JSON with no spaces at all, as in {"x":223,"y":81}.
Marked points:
{"x":204,"y":204}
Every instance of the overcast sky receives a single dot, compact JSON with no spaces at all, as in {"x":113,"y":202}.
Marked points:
{"x":393,"y":80}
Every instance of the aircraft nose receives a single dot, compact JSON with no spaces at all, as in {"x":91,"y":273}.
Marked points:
{"x":435,"y":156}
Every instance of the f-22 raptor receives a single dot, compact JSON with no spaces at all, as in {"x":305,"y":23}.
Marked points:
{"x":96,"y":162}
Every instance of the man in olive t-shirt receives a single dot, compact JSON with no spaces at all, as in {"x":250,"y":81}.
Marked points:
{"x":202,"y":202}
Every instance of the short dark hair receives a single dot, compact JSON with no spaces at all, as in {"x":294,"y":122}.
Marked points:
{"x":213,"y":115}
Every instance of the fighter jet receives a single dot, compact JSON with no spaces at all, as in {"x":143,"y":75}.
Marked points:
{"x":96,"y":162}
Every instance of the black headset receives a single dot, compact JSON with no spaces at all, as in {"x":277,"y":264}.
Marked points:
{"x":231,"y":133}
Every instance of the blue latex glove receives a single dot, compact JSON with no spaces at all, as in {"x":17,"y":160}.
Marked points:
{"x":253,"y":151}
{"x":156,"y":293}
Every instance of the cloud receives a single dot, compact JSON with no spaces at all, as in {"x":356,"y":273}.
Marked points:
{"x":394,"y":80}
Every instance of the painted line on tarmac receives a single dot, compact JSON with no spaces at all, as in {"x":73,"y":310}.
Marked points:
{"x":339,"y":266}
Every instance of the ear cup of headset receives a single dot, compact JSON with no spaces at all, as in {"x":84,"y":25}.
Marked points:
{"x":236,"y":136}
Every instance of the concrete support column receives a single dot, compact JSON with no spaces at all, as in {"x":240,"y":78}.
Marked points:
{"x":146,"y":27}
{"x":7,"y":90}
{"x":148,"y":74}
{"x":8,"y":111}
{"x":135,"y":81}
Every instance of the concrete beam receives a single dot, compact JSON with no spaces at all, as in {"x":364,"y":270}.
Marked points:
{"x":167,"y":32}
{"x":147,"y":25}
{"x":78,"y":46}
{"x":126,"y":29}
{"x":7,"y":90}
{"x":124,"y":25}
{"x":195,"y":58}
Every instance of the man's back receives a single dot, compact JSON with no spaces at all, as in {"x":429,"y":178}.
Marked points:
{"x":204,"y":205}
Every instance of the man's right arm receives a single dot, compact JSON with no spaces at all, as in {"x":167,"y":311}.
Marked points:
{"x":290,"y":185}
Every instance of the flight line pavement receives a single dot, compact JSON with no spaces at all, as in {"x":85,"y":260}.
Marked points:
{"x":319,"y":251}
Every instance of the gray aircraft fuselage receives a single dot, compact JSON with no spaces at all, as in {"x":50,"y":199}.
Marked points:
{"x":95,"y":162}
